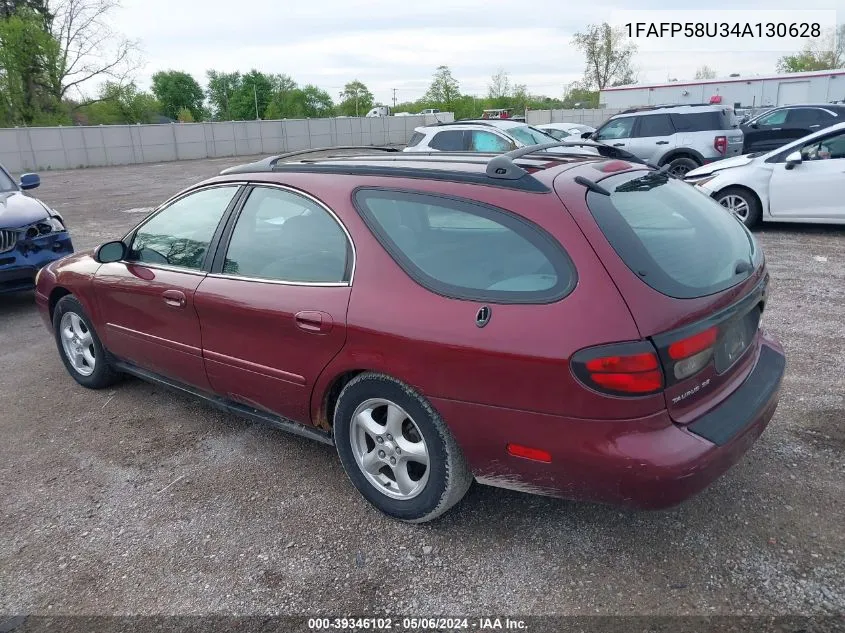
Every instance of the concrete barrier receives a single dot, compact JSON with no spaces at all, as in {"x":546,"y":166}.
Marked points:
{"x":42,"y":148}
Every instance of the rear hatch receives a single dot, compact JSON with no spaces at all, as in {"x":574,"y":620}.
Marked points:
{"x":691,"y":274}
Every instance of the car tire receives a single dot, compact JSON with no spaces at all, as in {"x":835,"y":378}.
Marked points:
{"x":79,"y":346}
{"x":678,"y":167}
{"x":370,"y":411}
{"x":742,"y":203}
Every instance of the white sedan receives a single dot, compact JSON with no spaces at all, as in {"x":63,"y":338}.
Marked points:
{"x":799,"y":182}
{"x":561,"y":131}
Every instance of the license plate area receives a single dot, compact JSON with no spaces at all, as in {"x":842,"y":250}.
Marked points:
{"x":735,"y":340}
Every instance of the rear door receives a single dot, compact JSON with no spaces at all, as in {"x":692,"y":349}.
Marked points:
{"x":803,"y":121}
{"x":653,"y":136}
{"x":148,"y":299}
{"x":691,"y":274}
{"x":273,"y":307}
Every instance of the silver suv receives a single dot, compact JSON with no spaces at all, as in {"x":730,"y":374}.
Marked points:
{"x":682,"y":136}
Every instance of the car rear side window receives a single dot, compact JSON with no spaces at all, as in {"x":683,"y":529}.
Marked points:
{"x":702,"y":121}
{"x":448,"y":141}
{"x":464,"y":249}
{"x":655,"y":125}
{"x":676,"y":239}
{"x":179,"y":234}
{"x":415,"y":139}
{"x":283,"y":236}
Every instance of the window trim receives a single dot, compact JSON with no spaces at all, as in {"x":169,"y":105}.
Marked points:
{"x":451,"y":291}
{"x":222,"y":246}
{"x":204,"y":268}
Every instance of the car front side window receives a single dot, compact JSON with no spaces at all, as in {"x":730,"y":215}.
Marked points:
{"x":832,"y":147}
{"x":284,"y":236}
{"x":620,"y":128}
{"x":180,"y":234}
{"x":778,"y":117}
{"x":481,"y":141}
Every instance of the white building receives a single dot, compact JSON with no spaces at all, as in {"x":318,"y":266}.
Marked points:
{"x":823,"y":86}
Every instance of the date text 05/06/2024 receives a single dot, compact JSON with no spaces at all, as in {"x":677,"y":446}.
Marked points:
{"x":417,"y":624}
{"x":723,"y":29}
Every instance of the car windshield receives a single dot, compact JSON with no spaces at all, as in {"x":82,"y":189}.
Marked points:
{"x":6,"y":182}
{"x":676,"y":239}
{"x":529,"y":135}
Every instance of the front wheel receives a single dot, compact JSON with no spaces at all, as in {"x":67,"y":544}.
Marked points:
{"x":397,"y":451}
{"x":79,"y":346}
{"x":742,"y":203}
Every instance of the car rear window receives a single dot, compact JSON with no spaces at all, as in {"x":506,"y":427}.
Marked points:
{"x":467,"y":250}
{"x":448,"y":141}
{"x":675,"y":238}
{"x":704,"y":121}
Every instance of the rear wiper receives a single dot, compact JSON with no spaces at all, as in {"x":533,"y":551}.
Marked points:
{"x":592,"y":186}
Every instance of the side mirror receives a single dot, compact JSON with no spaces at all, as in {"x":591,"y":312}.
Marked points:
{"x":755,"y":125}
{"x":110,"y":252}
{"x":793,"y":159}
{"x":30,"y":181}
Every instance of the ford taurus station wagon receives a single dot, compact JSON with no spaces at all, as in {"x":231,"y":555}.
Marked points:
{"x":571,"y":325}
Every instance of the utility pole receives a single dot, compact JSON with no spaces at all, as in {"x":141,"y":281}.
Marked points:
{"x":394,"y":98}
{"x":255,"y":95}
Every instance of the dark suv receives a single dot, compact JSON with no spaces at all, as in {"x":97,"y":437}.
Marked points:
{"x":682,"y":136}
{"x":779,"y":126}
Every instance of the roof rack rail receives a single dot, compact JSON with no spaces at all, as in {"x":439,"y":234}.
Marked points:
{"x":269,"y":163}
{"x":502,"y":166}
{"x":670,"y":105}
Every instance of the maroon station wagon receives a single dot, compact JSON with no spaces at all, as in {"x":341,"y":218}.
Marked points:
{"x":572,"y":325}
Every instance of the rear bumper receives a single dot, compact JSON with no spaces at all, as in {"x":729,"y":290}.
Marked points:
{"x":19,"y":266}
{"x":646,"y":463}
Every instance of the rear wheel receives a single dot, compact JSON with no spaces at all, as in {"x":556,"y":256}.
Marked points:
{"x":80,"y":347}
{"x":679,"y":167}
{"x":742,"y":203}
{"x":397,"y":451}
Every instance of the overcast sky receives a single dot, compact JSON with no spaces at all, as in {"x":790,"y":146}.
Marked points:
{"x":397,"y":44}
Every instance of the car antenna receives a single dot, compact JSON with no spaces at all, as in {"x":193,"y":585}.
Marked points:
{"x":592,"y":186}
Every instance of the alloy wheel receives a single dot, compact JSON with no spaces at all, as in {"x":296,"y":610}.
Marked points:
{"x":389,"y":448}
{"x":736,"y":205}
{"x":78,"y":344}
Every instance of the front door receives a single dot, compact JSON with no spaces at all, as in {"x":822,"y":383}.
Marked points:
{"x":813,"y":188}
{"x":652,"y":137}
{"x":273,"y":308}
{"x":147,"y":300}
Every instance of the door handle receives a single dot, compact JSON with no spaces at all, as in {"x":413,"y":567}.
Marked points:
{"x":174,"y":298}
{"x":619,"y":145}
{"x":812,"y":126}
{"x":776,"y":129}
{"x":662,"y":143}
{"x":313,"y":321}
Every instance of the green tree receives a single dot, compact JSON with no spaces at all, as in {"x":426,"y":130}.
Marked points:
{"x":119,"y":104}
{"x":28,"y":54}
{"x":355,"y":99}
{"x":286,"y":101}
{"x":608,"y":56}
{"x":824,"y":53}
{"x":444,"y":89}
{"x":175,"y":90}
{"x":252,"y":97}
{"x":185,"y":116}
{"x":500,"y":85}
{"x":221,"y":87}
{"x":577,"y":96}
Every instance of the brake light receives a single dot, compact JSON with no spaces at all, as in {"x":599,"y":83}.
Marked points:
{"x":693,"y":344}
{"x":631,"y":369}
{"x":720,"y":143}
{"x":692,"y":353}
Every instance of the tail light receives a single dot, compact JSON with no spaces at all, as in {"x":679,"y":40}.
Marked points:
{"x":690,"y":355}
{"x":720,"y":143}
{"x":626,"y":369}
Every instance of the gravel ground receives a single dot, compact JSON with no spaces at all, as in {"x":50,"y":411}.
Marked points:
{"x":139,"y":501}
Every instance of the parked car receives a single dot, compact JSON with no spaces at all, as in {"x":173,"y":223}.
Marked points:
{"x":799,"y":182}
{"x":494,"y":135}
{"x":778,"y":126}
{"x":561,"y":131}
{"x":683,"y":137}
{"x":571,"y":325}
{"x":31,"y":233}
